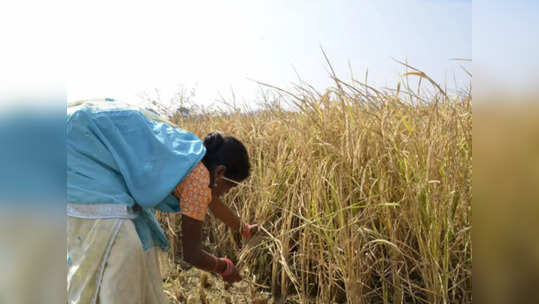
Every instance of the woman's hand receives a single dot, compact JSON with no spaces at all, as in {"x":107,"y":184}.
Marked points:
{"x":248,"y":231}
{"x":230,"y":274}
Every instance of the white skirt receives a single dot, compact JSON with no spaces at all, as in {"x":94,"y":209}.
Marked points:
{"x":107,"y":264}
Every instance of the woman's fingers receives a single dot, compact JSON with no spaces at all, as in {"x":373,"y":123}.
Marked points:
{"x":254,"y":229}
{"x":235,"y":277}
{"x":230,"y":274}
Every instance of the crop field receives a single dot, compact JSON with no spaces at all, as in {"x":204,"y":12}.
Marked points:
{"x":364,"y":195}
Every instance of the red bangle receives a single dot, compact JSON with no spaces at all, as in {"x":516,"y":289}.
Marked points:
{"x":229,"y":267}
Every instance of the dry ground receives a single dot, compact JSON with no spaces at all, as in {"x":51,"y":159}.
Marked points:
{"x":190,"y":285}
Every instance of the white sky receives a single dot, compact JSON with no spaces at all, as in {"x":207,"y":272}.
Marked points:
{"x":506,"y":48}
{"x":120,"y":49}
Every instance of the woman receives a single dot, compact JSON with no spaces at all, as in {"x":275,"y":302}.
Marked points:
{"x":123,"y":162}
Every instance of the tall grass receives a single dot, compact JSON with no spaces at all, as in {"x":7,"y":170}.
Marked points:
{"x":364,"y":195}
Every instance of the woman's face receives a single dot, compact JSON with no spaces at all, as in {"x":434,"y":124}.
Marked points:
{"x":222,"y":188}
{"x":221,"y":184}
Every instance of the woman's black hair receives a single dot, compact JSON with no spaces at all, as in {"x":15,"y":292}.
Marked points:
{"x":229,"y":152}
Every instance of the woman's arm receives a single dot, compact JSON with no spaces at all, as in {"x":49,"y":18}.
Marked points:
{"x":222,"y":212}
{"x":191,"y":240}
{"x":193,"y":253}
